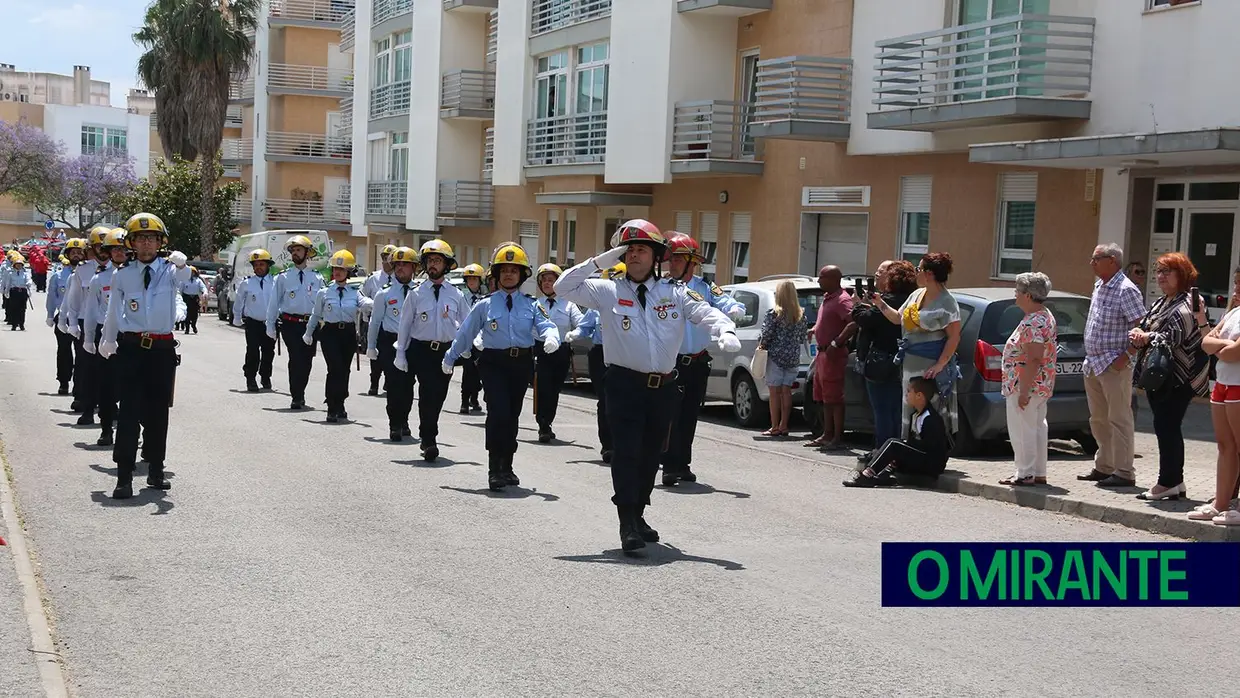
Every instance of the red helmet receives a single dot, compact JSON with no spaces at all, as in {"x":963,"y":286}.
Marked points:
{"x":679,"y":243}
{"x":639,"y":231}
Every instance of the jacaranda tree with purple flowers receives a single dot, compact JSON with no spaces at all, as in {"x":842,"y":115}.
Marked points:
{"x":85,"y":191}
{"x":29,"y":160}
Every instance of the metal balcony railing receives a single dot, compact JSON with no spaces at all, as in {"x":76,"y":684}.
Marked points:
{"x":304,"y":212}
{"x":242,"y":209}
{"x":467,"y":90}
{"x":567,"y":140}
{"x":286,"y":76}
{"x":348,"y":30}
{"x":712,"y":130}
{"x":238,"y":150}
{"x":241,"y":90}
{"x":105,"y":151}
{"x":453,"y":4}
{"x":492,"y":39}
{"x":803,"y":88}
{"x":309,"y":145}
{"x":549,"y":15}
{"x":1023,"y":55}
{"x":461,"y":199}
{"x":232,"y":170}
{"x":488,"y":155}
{"x":332,"y":11}
{"x":346,"y":118}
{"x":234,"y":117}
{"x":389,"y":100}
{"x":387,"y":9}
{"x":386,"y":198}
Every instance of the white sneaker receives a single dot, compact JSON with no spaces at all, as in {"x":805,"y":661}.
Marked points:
{"x":1231,"y":517}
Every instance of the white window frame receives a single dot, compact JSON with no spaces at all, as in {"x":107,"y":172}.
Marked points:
{"x":557,"y":75}
{"x":402,"y":51}
{"x":89,"y":135}
{"x":584,"y":70}
{"x":570,"y":237}
{"x":912,"y":203}
{"x":553,"y":236}
{"x":709,"y":241}
{"x":748,"y":95}
{"x":398,"y":156}
{"x":741,"y":246}
{"x":1014,"y":188}
{"x":382,"y":66}
{"x":1158,"y":5}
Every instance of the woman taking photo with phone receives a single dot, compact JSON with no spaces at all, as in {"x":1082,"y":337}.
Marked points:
{"x":878,"y":341}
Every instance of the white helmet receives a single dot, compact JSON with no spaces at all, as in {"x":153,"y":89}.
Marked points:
{"x":178,"y":258}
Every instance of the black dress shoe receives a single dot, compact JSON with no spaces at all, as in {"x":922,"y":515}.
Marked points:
{"x":76,"y":406}
{"x":105,"y":439}
{"x":545,"y":437}
{"x":1094,"y":475}
{"x":630,"y":537}
{"x":430,"y":453}
{"x":496,"y":482}
{"x":464,"y":409}
{"x":296,"y":405}
{"x":475,"y":407}
{"x":331,"y":418}
{"x":342,"y":416}
{"x":372,"y":392}
{"x":670,"y":479}
{"x":1117,"y":481}
{"x":511,"y":478}
{"x":86,"y":419}
{"x":63,"y":390}
{"x":156,"y":481}
{"x":251,"y":386}
{"x":266,"y":384}
{"x":123,"y":491}
{"x":688,"y":475}
{"x":607,"y":457}
{"x":395,"y":436}
{"x":406,"y":431}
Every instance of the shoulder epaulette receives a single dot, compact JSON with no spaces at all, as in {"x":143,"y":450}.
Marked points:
{"x":529,"y":296}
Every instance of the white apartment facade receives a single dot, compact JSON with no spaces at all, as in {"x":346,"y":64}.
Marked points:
{"x":30,"y":87}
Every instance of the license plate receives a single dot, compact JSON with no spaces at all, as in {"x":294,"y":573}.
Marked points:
{"x":1070,"y":368}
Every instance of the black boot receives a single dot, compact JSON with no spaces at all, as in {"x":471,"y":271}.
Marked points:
{"x":647,"y":533}
{"x":630,"y":538}
{"x":511,"y":477}
{"x":430,"y":451}
{"x":495,"y":473}
{"x":464,"y":407}
{"x":124,"y":483}
{"x":474,"y":406}
{"x":63,"y":389}
{"x":155,"y":477}
{"x":395,"y":435}
{"x":105,"y":438}
{"x":267,"y":383}
{"x":251,"y":385}
{"x":87,"y":419}
{"x":545,"y":435}
{"x":671,"y":476}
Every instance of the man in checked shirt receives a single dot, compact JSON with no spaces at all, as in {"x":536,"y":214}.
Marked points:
{"x":1116,"y":307}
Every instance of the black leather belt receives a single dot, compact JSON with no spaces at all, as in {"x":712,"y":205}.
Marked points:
{"x":653,"y":381}
{"x":688,"y":359}
{"x":434,"y":346}
{"x":513,"y":352}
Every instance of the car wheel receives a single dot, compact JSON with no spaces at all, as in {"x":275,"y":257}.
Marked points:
{"x":1089,"y":445}
{"x":745,"y":403}
{"x":966,"y":444}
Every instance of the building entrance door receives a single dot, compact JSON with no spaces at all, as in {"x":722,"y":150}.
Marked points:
{"x":1211,"y":235}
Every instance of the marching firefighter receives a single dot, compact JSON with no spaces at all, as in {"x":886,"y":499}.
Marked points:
{"x":551,"y":368}
{"x":79,"y":302}
{"x":292,"y":299}
{"x":17,"y":287}
{"x":6,"y":268}
{"x":471,"y":384}
{"x":250,"y":313}
{"x":103,"y":379}
{"x":430,"y":318}
{"x":56,"y":293}
{"x":509,"y":321}
{"x":143,"y":308}
{"x":383,"y":277}
{"x":385,"y":323}
{"x":693,"y":362}
{"x":643,"y":318}
{"x":592,"y":327}
{"x":70,"y":308}
{"x":336,"y":306}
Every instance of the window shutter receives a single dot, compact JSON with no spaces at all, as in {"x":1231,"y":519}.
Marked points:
{"x":684,"y":222}
{"x":710,"y":226}
{"x":915,"y":194}
{"x":835,"y":196}
{"x":1018,"y":186}
{"x":528,"y":229}
{"x":742,"y":223}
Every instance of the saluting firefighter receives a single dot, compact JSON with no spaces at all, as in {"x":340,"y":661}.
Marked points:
{"x":693,"y":362}
{"x":143,"y":308}
{"x":250,"y":312}
{"x":56,"y":293}
{"x":471,"y":384}
{"x":430,"y":318}
{"x":17,"y":287}
{"x":643,"y":318}
{"x":551,"y":368}
{"x":71,"y":313}
{"x":336,"y":306}
{"x":592,"y":327}
{"x":385,"y":321}
{"x":382,"y":277}
{"x":292,"y":299}
{"x":509,"y":322}
{"x":103,"y":379}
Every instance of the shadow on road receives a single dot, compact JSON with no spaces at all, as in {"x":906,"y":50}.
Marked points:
{"x":345,"y":423}
{"x":288,"y":410}
{"x":142,"y":497}
{"x":406,"y":441}
{"x":507,"y":493}
{"x":440,"y":462}
{"x":73,"y":425}
{"x":699,"y":488}
{"x":654,"y":555}
{"x":91,"y":447}
{"x":597,"y":461}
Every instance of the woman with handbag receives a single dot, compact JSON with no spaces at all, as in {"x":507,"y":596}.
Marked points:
{"x":878,"y":342}
{"x":1171,"y":366}
{"x":783,"y":334}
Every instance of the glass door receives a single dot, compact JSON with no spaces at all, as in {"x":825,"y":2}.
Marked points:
{"x":989,"y":50}
{"x":749,"y":95}
{"x":1211,"y":236}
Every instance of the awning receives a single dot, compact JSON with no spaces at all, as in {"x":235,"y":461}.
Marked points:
{"x":1216,"y":146}
{"x":593,"y":198}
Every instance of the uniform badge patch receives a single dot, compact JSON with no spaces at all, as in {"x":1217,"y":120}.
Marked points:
{"x":509,"y":256}
{"x":425,"y":317}
{"x":695,"y":295}
{"x":626,"y":324}
{"x":674,"y":316}
{"x":662,"y":314}
{"x":715,"y":290}
{"x":543,"y":311}
{"x":133,"y":305}
{"x":292,"y":294}
{"x":495,"y":325}
{"x":253,"y":296}
{"x":395,"y":312}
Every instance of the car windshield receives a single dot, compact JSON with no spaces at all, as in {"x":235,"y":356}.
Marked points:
{"x":1003,"y":316}
{"x":810,"y":300}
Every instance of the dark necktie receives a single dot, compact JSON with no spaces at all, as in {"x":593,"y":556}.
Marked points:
{"x":340,"y":292}
{"x":551,"y":303}
{"x":101,"y":268}
{"x":509,"y":302}
{"x":641,"y":295}
{"x":405,"y":292}
{"x":146,"y":277}
{"x":260,"y":282}
{"x":301,"y":277}
{"x":436,"y":289}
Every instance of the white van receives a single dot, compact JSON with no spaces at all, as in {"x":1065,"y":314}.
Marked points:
{"x":238,"y":254}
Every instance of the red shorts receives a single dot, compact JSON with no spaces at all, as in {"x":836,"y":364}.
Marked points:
{"x":829,"y":376}
{"x":1225,"y":394}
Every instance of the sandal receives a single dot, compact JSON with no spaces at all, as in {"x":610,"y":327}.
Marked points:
{"x":815,"y":443}
{"x":1015,"y":481}
{"x":1231,"y":517}
{"x":770,"y":432}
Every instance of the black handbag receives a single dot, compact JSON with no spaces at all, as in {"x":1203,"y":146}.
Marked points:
{"x":1154,"y":362}
{"x":880,"y":366}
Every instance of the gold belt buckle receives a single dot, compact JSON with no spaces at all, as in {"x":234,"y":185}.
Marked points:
{"x":435,"y":346}
{"x":514,"y":352}
{"x":146,"y":342}
{"x":654,"y":381}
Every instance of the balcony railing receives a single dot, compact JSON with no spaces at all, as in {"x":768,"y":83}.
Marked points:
{"x":1026,"y":55}
{"x":389,"y":100}
{"x":449,"y":5}
{"x":346,"y":118}
{"x":237,"y":150}
{"x":549,"y":15}
{"x":241,"y":90}
{"x":329,"y":11}
{"x":387,"y":9}
{"x":348,"y":30}
{"x":468,"y":92}
{"x":305,"y":212}
{"x":242,"y":209}
{"x":567,"y":140}
{"x":472,"y":200}
{"x":309,"y":145}
{"x":803,"y":97}
{"x":232,"y":170}
{"x":712,"y":130}
{"x":488,"y":156}
{"x":106,"y":151}
{"x":386,"y":198}
{"x":313,"y":78}
{"x":234,"y":117}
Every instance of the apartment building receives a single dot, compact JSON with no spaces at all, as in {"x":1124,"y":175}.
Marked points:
{"x":32,"y":87}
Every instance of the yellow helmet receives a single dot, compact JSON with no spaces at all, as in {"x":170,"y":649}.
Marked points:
{"x":75,"y":244}
{"x":388,"y":250}
{"x":473,"y":270}
{"x":114,"y":238}
{"x":342,"y":260}
{"x":146,"y":221}
{"x":549,"y":269}
{"x":441,"y":248}
{"x":12,"y":254}
{"x":19,"y":260}
{"x":403,"y":254}
{"x":616,"y":271}
{"x":98,"y":233}
{"x":511,"y":253}
{"x":260,"y":255}
{"x":303,"y":241}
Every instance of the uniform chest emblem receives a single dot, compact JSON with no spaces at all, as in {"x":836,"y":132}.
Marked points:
{"x":395,"y":312}
{"x":544,"y":312}
{"x":626,"y":324}
{"x":253,"y":296}
{"x":391,"y":301}
{"x":495,"y":325}
{"x":292,"y":294}
{"x":715,"y":290}
{"x":425,"y":317}
{"x":133,"y":305}
{"x":662,"y":314}
{"x":107,"y":288}
{"x":329,"y":306}
{"x":674,"y":316}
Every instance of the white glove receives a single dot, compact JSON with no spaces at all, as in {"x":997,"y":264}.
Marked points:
{"x":572,"y":336}
{"x":74,"y":331}
{"x":237,"y":321}
{"x":610,"y":258}
{"x":271,"y":334}
{"x":373,"y":354}
{"x":737,"y":313}
{"x":308,"y":339}
{"x":478,"y":342}
{"x":467,"y":354}
{"x":400,"y":362}
{"x":107,"y":349}
{"x":88,"y":347}
{"x":51,"y":322}
{"x":551,"y":344}
{"x":446,"y":368}
{"x":729,"y":343}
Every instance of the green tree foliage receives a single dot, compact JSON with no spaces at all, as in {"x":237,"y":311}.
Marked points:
{"x":174,"y":193}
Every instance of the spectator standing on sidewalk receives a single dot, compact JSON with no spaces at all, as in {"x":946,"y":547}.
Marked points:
{"x":1136,"y":273}
{"x":1173,"y":323}
{"x":831,"y":332}
{"x":878,"y":343}
{"x":1223,"y":343}
{"x":1029,"y":378}
{"x":1115,"y":308}
{"x":783,"y":334}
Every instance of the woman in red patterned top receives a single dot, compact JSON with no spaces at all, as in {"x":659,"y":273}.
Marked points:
{"x":1029,"y":378}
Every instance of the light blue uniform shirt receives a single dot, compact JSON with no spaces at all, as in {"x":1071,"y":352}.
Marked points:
{"x":591,"y":327}
{"x":337,"y":303}
{"x":57,"y":288}
{"x":502,"y":328}
{"x":697,"y":337}
{"x":135,"y":308}
{"x":565,"y":314}
{"x":74,"y":306}
{"x":193,"y":287}
{"x":253,"y":298}
{"x":388,"y":301}
{"x":425,"y":318}
{"x":97,"y":302}
{"x":294,"y":294}
{"x":15,"y":279}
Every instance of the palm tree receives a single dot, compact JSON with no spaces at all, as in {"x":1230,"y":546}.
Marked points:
{"x":193,"y":51}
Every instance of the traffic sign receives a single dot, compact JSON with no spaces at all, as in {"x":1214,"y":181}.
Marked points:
{"x":48,"y":225}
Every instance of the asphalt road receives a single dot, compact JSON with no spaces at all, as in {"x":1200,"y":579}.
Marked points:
{"x":293,"y":557}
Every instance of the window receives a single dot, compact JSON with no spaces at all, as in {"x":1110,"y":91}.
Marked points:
{"x":592,"y":71}
{"x":383,"y":62}
{"x":570,"y":233}
{"x":709,"y":241}
{"x":398,"y":158}
{"x":1151,"y":4}
{"x":553,"y":235}
{"x":104,"y":140}
{"x":551,"y":86}
{"x":402,"y":65}
{"x":749,"y":95}
{"x":484,"y":257}
{"x":742,"y":223}
{"x":914,"y":239}
{"x":92,"y":139}
{"x":117,"y":139}
{"x":684,"y":222}
{"x":1018,"y":196}
{"x":749,"y":299}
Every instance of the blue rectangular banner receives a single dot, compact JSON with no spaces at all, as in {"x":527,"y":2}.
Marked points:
{"x":1061,"y":574}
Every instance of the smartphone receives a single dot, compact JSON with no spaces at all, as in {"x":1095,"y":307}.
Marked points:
{"x":1196,"y":294}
